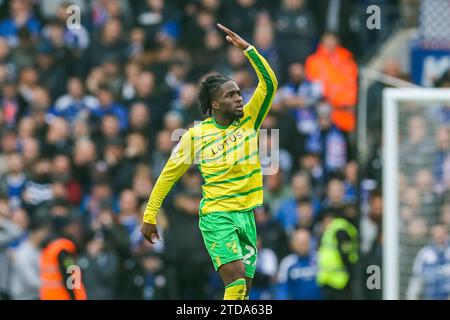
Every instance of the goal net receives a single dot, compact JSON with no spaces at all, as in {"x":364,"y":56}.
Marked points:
{"x":416,"y":190}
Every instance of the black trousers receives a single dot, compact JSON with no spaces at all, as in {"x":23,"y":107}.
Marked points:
{"x":337,"y":294}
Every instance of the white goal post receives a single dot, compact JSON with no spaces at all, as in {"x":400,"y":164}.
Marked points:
{"x":393,"y":99}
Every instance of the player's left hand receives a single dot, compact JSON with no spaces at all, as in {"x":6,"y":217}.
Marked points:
{"x":233,"y":38}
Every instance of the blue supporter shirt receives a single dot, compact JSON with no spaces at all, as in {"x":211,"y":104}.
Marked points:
{"x":9,"y":29}
{"x":432,"y":265}
{"x":297,"y":278}
{"x":287,"y":214}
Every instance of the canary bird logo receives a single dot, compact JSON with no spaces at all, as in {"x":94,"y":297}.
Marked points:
{"x":232,"y":246}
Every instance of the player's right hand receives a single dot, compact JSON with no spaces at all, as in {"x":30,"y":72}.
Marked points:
{"x":150,"y":232}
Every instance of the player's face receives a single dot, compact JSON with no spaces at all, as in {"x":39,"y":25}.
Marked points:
{"x":230,"y":100}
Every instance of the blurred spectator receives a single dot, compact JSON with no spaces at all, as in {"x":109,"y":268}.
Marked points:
{"x":234,"y":62}
{"x":265,"y":274}
{"x":265,"y":42}
{"x":183,"y":222}
{"x":153,"y":16}
{"x":288,"y":215}
{"x":428,"y":198}
{"x":155,"y":277}
{"x":338,"y":255}
{"x":58,"y":259}
{"x":305,"y":214}
{"x":142,"y":183}
{"x":173,"y":121}
{"x":296,"y":31}
{"x":246,"y":83}
{"x":416,"y":237}
{"x":31,"y":151}
{"x":178,"y":72}
{"x":336,"y":197}
{"x":271,"y":233}
{"x":161,"y":153}
{"x":26,"y":128}
{"x":195,"y":23}
{"x":127,"y":160}
{"x":109,"y":45}
{"x":431,"y":277}
{"x":140,"y":121}
{"x":115,"y":235}
{"x":311,"y":165}
{"x":28,"y":81}
{"x":100,"y":195}
{"x":370,"y":226}
{"x":276,"y":191}
{"x":417,"y":150}
{"x":213,"y":44}
{"x":441,"y":172}
{"x":51,"y":9}
{"x":113,"y":76}
{"x":146,"y":94}
{"x":108,"y":105}
{"x":13,"y":182}
{"x":334,"y":16}
{"x":62,"y":173}
{"x":13,"y":106}
{"x":334,"y":66}
{"x":130,"y":81}
{"x":84,"y":156}
{"x":8,"y":145}
{"x":21,"y":18}
{"x":58,"y":138}
{"x":351,"y":181}
{"x":241,"y":17}
{"x":136,"y":47}
{"x":25,"y":278}
{"x":8,"y":70}
{"x":9,"y":232}
{"x":100,"y":267}
{"x":129,"y":216}
{"x":108,"y":132}
{"x":329,"y":141}
{"x":187,"y":104}
{"x":300,"y":96}
{"x":410,"y":202}
{"x":113,"y":156}
{"x":38,"y":189}
{"x":298,"y":271}
{"x":50,"y":57}
{"x":76,"y":104}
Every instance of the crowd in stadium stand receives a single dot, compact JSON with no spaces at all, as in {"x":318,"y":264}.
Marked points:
{"x":87,"y":117}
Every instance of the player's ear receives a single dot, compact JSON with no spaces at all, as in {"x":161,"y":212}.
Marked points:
{"x":215,"y":105}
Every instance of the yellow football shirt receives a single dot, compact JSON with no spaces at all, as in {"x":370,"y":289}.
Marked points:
{"x":227,"y":157}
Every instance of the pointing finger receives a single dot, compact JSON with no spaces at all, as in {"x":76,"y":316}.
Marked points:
{"x":225,"y":29}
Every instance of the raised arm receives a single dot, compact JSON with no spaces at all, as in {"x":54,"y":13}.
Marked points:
{"x":261,"y":101}
{"x":179,"y":161}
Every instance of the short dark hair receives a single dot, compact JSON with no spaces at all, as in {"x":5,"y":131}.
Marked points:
{"x":207,"y":88}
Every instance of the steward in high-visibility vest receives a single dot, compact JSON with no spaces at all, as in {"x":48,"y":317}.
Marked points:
{"x":60,"y":276}
{"x":338,"y":254}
